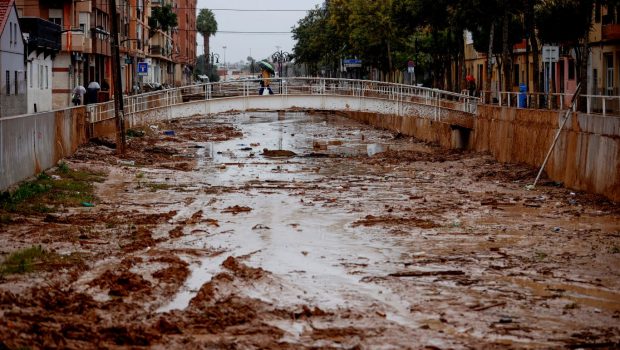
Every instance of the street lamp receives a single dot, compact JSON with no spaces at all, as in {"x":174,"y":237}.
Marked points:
{"x":280,"y":57}
{"x":213,"y":58}
{"x":224,"y":47}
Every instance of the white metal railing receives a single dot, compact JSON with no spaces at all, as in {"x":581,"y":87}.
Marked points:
{"x":288,"y":86}
{"x":594,"y":104}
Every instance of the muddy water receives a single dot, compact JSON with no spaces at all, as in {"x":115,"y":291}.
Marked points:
{"x":302,"y":229}
{"x":339,"y":236}
{"x":300,"y":242}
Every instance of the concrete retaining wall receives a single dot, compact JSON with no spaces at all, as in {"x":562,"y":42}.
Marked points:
{"x":586,"y":156}
{"x":32,"y":143}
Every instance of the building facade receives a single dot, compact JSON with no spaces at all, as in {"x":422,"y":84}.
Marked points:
{"x":184,"y":39}
{"x":42,"y":40}
{"x":13,"y":94}
{"x":85,"y":48}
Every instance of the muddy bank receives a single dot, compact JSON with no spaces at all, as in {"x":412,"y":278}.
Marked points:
{"x":343,"y":237}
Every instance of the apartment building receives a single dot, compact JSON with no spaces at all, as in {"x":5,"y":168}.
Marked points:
{"x":85,"y":43}
{"x":603,"y":70}
{"x":84,"y":55}
{"x":134,"y":43}
{"x":161,"y":50}
{"x":184,"y":39}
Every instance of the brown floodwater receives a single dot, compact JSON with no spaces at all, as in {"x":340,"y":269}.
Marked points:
{"x":353,"y":238}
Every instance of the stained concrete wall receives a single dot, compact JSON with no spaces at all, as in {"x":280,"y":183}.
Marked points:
{"x":586,"y":156}
{"x":32,"y":143}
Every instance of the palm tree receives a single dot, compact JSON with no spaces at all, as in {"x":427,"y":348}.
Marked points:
{"x":207,"y":26}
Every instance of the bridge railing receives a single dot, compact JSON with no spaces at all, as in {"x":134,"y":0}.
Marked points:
{"x":591,"y":104}
{"x":290,"y":87}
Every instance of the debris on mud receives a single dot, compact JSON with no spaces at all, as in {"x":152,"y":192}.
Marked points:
{"x":236,"y":209}
{"x":370,"y":220}
{"x":278,"y":153}
{"x":340,"y":249}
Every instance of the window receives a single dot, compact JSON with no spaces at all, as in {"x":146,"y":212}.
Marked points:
{"x":8,"y":83}
{"x":516,"y":75}
{"x":11,"y":34}
{"x":40,"y":76}
{"x":16,"y":84}
{"x":595,"y":81}
{"x":55,"y":16}
{"x":571,"y":69}
{"x":47,"y":86}
{"x":83,"y":19}
{"x":609,"y":76}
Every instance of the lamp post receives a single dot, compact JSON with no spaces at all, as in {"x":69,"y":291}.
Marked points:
{"x":224,"y":47}
{"x":280,"y":57}
{"x":213,"y":58}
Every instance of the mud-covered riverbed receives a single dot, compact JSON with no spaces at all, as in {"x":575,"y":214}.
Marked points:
{"x":308,"y":230}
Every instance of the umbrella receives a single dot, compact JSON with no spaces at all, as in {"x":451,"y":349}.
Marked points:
{"x":79,"y":90}
{"x":94,"y":85}
{"x":266,"y":66}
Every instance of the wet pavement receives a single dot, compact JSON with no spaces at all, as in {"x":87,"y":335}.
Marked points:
{"x":308,"y":230}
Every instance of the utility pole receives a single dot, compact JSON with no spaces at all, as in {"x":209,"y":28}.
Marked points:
{"x":119,"y":109}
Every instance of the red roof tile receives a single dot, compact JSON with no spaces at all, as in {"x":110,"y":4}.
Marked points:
{"x":5,"y":10}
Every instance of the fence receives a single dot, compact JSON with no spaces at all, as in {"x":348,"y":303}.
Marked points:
{"x":288,"y":87}
{"x":590,"y":104}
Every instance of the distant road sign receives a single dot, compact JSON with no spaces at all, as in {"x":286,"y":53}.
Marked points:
{"x":550,"y":53}
{"x":352,"y":63}
{"x":143,"y":68}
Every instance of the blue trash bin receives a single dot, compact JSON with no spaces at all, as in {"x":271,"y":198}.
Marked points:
{"x":522,"y":95}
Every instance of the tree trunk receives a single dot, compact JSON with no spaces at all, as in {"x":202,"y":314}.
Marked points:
{"x":532,"y":46}
{"x":449,"y":78}
{"x":205,"y":38}
{"x":461,"y":79}
{"x":487,"y":82}
{"x":506,"y":59}
{"x":389,"y":55}
{"x":582,"y":69}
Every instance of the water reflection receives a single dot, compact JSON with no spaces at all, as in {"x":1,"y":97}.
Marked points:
{"x":374,"y":148}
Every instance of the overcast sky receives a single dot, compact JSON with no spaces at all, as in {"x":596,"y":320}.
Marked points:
{"x":259,"y":46}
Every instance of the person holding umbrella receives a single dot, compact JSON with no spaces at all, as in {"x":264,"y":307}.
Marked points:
{"x":266,"y":70}
{"x":93,"y":89}
{"x":78,"y":94}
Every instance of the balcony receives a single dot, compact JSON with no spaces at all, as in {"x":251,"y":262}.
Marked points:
{"x":43,"y":36}
{"x":76,"y":42}
{"x":161,"y":51}
{"x":611,"y":32}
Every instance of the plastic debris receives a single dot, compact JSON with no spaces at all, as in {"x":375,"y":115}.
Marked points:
{"x":169,"y":132}
{"x":88,"y":204}
{"x":127,"y":162}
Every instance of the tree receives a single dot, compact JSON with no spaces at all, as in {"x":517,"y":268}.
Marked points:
{"x":576,"y":35}
{"x":162,"y":18}
{"x":206,"y":25}
{"x":311,"y":34}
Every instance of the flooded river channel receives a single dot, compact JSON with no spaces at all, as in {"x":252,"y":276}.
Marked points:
{"x":308,"y":230}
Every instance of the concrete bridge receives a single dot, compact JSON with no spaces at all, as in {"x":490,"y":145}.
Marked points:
{"x":587,"y":156}
{"x":339,"y":95}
